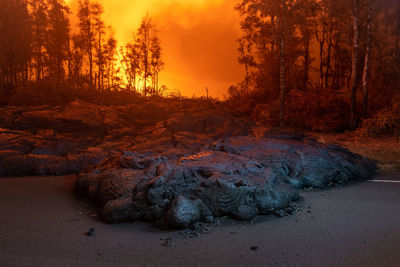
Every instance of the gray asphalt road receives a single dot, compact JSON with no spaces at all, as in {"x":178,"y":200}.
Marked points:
{"x":42,"y":224}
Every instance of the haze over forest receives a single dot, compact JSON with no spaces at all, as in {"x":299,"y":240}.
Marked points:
{"x":276,"y":62}
{"x":198,"y":38}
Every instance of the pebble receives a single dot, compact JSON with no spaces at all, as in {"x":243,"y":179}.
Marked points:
{"x":91,"y":232}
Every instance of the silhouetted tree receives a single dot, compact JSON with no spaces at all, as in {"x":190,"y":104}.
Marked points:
{"x":246,"y":58}
{"x":99,"y":29}
{"x":15,"y":44}
{"x":75,"y":61}
{"x":365,"y":78}
{"x":331,"y":34}
{"x":283,"y":29}
{"x":39,"y":18}
{"x":57,"y":44}
{"x":86,"y":38}
{"x":95,"y":43}
{"x":270,"y":27}
{"x":306,"y":20}
{"x":156,"y":64}
{"x":354,"y":71}
{"x":131,"y":63}
{"x":142,"y":58}
{"x":143,"y":40}
{"x":110,"y":69}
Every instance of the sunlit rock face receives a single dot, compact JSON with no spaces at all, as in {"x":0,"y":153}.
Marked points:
{"x":240,"y":177}
{"x":173,"y":163}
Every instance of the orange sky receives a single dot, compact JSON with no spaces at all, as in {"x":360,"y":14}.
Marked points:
{"x":198,"y":38}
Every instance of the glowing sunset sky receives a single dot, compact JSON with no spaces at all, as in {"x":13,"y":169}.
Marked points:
{"x":198,"y":38}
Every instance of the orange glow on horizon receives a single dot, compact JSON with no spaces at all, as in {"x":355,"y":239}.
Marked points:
{"x":198,"y":39}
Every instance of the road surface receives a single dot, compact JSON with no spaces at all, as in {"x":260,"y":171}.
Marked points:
{"x":43,"y":224}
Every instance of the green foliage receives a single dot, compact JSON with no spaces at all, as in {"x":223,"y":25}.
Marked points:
{"x":15,"y":40}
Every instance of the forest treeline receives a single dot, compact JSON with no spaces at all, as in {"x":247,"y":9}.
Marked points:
{"x":317,"y":64}
{"x":309,"y":64}
{"x":42,"y":55}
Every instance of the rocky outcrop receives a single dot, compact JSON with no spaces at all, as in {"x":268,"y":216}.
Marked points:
{"x":65,"y":139}
{"x":240,"y":177}
{"x":24,"y":153}
{"x":77,"y":117}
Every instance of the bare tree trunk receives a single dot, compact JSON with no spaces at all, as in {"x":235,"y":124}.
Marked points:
{"x":328,"y":65}
{"x":244,"y":60}
{"x":339,"y":77}
{"x":69,"y":61}
{"x":1,"y":82}
{"x":90,"y":56}
{"x":366,"y":64}
{"x":100,"y":63}
{"x":90,"y":67}
{"x":122,"y":62}
{"x":328,"y":56}
{"x":95,"y":80}
{"x":134,"y":81}
{"x":306,"y":60}
{"x":353,"y":119}
{"x":247,"y":77}
{"x":157,"y":79}
{"x":282,"y":66}
{"x":321,"y":41}
{"x":145,"y":75}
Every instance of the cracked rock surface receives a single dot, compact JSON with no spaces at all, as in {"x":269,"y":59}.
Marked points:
{"x":240,"y":177}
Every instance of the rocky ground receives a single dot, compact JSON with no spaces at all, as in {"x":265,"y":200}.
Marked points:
{"x":170,"y":163}
{"x":48,"y":140}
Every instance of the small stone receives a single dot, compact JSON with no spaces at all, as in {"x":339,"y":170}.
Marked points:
{"x":167,"y":243}
{"x":91,"y":232}
{"x":209,"y":219}
{"x":279,"y":213}
{"x":254,"y":248}
{"x":289,"y":210}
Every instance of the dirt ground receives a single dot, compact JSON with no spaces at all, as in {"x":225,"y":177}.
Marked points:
{"x":385,"y":151}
